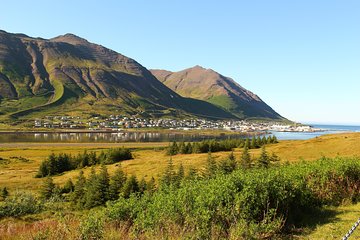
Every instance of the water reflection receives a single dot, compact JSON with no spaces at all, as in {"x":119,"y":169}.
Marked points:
{"x":109,"y":137}
{"x":157,"y":137}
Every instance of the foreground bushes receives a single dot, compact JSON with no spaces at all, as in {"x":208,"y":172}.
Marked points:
{"x":246,"y":203}
{"x":256,"y":203}
{"x":19,"y":204}
{"x":63,"y":162}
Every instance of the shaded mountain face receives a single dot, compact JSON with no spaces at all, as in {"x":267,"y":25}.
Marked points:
{"x":208,"y":85}
{"x":69,"y":74}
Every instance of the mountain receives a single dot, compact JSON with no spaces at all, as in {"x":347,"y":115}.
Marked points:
{"x":69,"y":75}
{"x":208,"y":85}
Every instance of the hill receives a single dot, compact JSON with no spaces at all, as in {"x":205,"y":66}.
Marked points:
{"x":69,"y":75}
{"x":208,"y":85}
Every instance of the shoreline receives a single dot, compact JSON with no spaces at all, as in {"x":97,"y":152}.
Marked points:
{"x":176,"y":131}
{"x":164,"y":131}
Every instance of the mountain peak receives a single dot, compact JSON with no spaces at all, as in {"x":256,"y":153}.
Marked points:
{"x":69,"y":38}
{"x":206,"y":84}
{"x":202,"y":70}
{"x":198,"y":67}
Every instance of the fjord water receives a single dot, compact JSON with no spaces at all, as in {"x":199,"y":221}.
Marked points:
{"x":160,"y":137}
{"x":326,"y":129}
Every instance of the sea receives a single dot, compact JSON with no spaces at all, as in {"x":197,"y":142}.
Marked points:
{"x":325,"y":129}
{"x":160,"y":137}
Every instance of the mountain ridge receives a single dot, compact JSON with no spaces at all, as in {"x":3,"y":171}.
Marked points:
{"x":68,"y":74}
{"x":209,"y":85}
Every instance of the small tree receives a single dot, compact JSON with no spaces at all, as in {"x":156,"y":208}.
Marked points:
{"x":258,"y":142}
{"x":181,"y":172}
{"x":263,"y":160}
{"x":47,"y":188}
{"x":196,"y":148}
{"x":263,"y":140}
{"x":92,"y":196}
{"x":229,"y":164}
{"x":245,"y":158}
{"x":179,"y":175}
{"x":211,"y":166}
{"x":253,"y":143}
{"x":78,"y":195}
{"x":151,"y":186}
{"x":247,"y":143}
{"x":169,"y":175}
{"x":116,"y":183}
{"x":142,"y":185}
{"x":97,"y":188}
{"x":4,"y":193}
{"x":102,"y":184}
{"x":173,"y":149}
{"x":68,"y":186}
{"x":189,"y":148}
{"x":192,"y":174}
{"x":182,"y":148}
{"x":131,"y":186}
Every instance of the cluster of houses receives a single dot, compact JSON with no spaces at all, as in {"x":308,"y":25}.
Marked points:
{"x":117,"y":122}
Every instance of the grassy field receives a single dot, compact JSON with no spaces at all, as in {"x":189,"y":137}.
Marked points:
{"x":21,"y":160}
{"x":333,"y":223}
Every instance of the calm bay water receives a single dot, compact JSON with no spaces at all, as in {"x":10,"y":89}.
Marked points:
{"x":108,"y":137}
{"x":327,"y":129}
{"x":158,"y":137}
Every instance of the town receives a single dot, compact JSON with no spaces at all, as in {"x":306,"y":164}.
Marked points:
{"x":118,"y":123}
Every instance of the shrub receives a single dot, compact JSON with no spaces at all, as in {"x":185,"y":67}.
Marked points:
{"x":258,"y":202}
{"x":116,"y":155}
{"x":92,"y":226}
{"x":19,"y":204}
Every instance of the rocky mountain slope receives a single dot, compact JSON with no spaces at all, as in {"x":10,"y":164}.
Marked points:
{"x":208,"y":85}
{"x":68,"y":74}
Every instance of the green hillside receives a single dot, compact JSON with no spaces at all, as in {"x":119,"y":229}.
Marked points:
{"x":69,"y":75}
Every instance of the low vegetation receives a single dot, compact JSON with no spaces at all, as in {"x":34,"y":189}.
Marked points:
{"x":244,"y":194}
{"x":226,"y":199}
{"x":256,"y":203}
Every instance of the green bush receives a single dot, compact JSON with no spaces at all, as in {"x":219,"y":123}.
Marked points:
{"x":258,"y":202}
{"x":19,"y":204}
{"x":92,"y":226}
{"x":115,"y":155}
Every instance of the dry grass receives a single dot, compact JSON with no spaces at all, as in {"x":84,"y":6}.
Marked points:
{"x":345,"y":145}
{"x":150,"y":161}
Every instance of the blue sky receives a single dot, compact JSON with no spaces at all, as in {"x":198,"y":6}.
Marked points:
{"x":301,"y":57}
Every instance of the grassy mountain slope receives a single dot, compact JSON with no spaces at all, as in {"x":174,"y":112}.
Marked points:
{"x":208,"y":85}
{"x":68,"y":74}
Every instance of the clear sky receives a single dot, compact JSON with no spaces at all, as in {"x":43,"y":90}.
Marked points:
{"x":300,"y":57}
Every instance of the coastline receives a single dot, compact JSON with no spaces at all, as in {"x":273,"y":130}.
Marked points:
{"x":170,"y":131}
